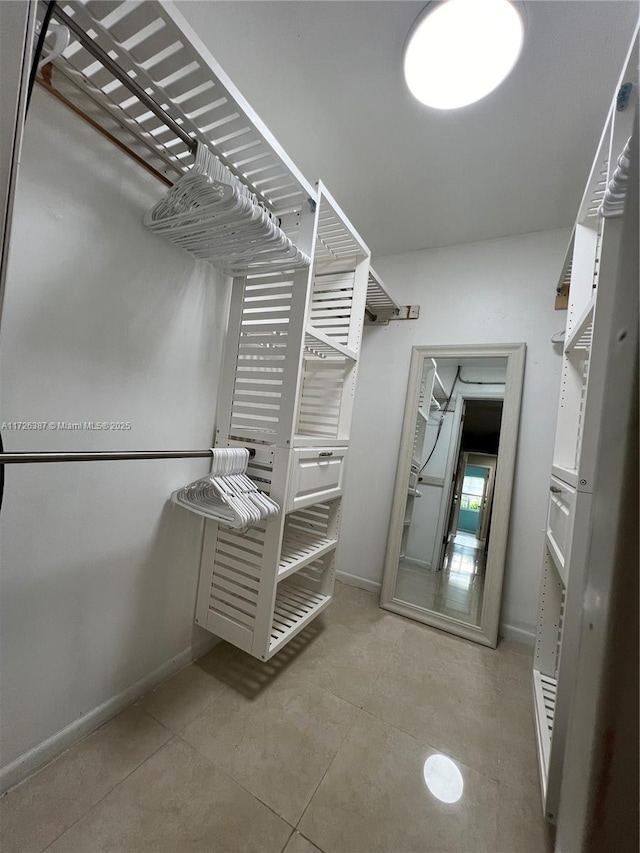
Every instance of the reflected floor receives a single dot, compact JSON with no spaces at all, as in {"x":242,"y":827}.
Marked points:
{"x":456,"y":590}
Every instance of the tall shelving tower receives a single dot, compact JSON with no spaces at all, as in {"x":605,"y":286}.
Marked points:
{"x":591,"y":267}
{"x":287,"y":392}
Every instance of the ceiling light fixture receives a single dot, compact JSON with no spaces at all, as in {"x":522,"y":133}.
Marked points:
{"x":460,"y":50}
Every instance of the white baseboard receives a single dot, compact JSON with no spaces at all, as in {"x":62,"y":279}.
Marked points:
{"x":361,"y":583}
{"x":33,"y":760}
{"x":414,"y":561}
{"x":518,"y":635}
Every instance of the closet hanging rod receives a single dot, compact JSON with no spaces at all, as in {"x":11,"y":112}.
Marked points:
{"x":106,"y":455}
{"x":104,"y":59}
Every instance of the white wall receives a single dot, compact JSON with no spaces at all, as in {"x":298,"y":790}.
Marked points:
{"x":103,"y":321}
{"x":493,"y":292}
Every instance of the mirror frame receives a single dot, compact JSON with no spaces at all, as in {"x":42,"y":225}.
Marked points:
{"x":487,"y":632}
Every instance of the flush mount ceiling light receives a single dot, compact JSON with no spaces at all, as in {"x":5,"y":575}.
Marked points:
{"x":460,"y":50}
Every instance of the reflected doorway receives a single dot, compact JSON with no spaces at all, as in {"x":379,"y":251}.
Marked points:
{"x":443,"y":560}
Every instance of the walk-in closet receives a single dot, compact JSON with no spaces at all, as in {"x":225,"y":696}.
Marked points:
{"x":319,"y":426}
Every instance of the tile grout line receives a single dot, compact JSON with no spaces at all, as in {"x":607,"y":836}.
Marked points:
{"x":360,"y":710}
{"x":124,"y":778}
{"x":202,"y":711}
{"x":235,"y":781}
{"x":286,"y":843}
{"x":258,"y":798}
{"x":329,"y":766}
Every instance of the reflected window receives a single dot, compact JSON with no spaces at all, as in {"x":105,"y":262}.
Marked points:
{"x":472,"y":493}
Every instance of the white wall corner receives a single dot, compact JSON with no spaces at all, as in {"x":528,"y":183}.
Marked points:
{"x":361,"y":583}
{"x":517,"y":635}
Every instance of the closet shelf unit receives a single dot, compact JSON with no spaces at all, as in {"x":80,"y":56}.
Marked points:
{"x":592,"y":265}
{"x":287,"y":391}
{"x":140,"y":74}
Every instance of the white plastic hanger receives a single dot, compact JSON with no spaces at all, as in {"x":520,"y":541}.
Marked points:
{"x":213,"y":215}
{"x":227,"y":495}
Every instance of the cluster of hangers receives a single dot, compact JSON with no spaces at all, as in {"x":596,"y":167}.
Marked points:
{"x":213,"y":215}
{"x":227,"y":495}
{"x":613,"y":200}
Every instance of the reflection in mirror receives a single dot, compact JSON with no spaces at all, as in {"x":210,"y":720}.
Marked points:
{"x":450,"y":497}
{"x":448,"y":533}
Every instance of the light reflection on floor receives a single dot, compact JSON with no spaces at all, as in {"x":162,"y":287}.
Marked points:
{"x":454,"y":591}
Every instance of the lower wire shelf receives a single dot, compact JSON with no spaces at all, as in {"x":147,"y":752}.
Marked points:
{"x":544,"y":689}
{"x":295,"y":607}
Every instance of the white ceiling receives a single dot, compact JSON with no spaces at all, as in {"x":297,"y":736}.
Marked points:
{"x":326,"y":77}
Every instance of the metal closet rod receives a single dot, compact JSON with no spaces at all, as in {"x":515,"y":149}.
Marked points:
{"x":108,"y":455}
{"x":104,"y":59}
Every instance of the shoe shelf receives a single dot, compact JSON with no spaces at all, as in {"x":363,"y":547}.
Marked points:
{"x":295,"y":606}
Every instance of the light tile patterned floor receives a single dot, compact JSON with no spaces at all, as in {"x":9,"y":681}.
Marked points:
{"x":321,"y":749}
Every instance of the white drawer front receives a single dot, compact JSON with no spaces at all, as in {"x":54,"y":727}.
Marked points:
{"x":562,"y":502}
{"x":317,"y":474}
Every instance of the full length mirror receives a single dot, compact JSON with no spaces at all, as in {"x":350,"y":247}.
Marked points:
{"x":449,"y":523}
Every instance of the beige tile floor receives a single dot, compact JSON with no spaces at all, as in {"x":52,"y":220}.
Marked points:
{"x":321,"y":749}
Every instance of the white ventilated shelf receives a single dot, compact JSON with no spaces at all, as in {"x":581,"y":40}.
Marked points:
{"x":597,"y":182}
{"x":321,"y":346}
{"x":579,"y":341}
{"x":544,"y":689}
{"x":557,"y":559}
{"x":295,"y":606}
{"x":336,"y":238}
{"x":437,"y":381}
{"x":300,"y":550}
{"x":380,"y":305}
{"x":567,"y":475}
{"x":564,"y":283}
{"x":300,"y":440}
{"x":154,"y":45}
